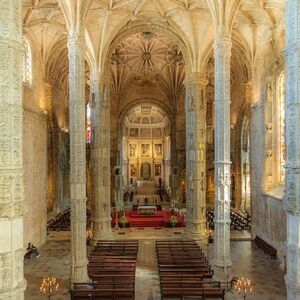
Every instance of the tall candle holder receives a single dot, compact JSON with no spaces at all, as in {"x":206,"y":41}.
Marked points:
{"x":116,"y":228}
{"x":49,"y":287}
{"x":243,"y":287}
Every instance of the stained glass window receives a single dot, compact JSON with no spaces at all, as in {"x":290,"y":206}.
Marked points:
{"x":27,"y":62}
{"x":282,"y":126}
{"x":88,"y":124}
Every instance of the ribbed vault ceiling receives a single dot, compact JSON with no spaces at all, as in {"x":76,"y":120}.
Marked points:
{"x":148,"y":58}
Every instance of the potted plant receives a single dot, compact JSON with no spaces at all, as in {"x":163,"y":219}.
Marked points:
{"x":123,"y":221}
{"x":173,"y":220}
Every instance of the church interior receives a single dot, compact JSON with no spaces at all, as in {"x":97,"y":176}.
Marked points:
{"x":149,"y":149}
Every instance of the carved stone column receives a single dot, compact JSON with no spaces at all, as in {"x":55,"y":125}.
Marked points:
{"x":12,"y":282}
{"x":50,"y":158}
{"x":174,"y":166}
{"x":195,"y":109}
{"x":100,"y":153}
{"x":292,"y":180}
{"x":222,"y":55}
{"x":76,"y":49}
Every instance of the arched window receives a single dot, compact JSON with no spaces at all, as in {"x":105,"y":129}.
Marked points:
{"x":274,"y":110}
{"x":27,"y":62}
{"x":88,"y":123}
{"x":281,"y":113}
{"x":245,"y":164}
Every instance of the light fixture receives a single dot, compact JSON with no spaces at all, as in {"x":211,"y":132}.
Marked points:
{"x":244,"y":287}
{"x":44,"y":112}
{"x":64,"y":129}
{"x":49,"y":287}
{"x":89,"y":234}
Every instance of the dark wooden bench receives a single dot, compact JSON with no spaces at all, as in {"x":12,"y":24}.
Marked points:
{"x":181,"y":293}
{"x":266,"y":247}
{"x":93,"y":294}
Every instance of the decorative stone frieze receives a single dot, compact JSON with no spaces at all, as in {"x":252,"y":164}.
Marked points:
{"x":292,"y":137}
{"x":222,"y":55}
{"x":195,"y":109}
{"x":76,"y":48}
{"x":100,"y":154}
{"x":12,"y":282}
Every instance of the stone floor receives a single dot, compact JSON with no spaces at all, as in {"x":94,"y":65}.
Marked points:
{"x":247,"y":261}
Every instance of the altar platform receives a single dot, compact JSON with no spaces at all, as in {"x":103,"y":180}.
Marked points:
{"x":159,"y":219}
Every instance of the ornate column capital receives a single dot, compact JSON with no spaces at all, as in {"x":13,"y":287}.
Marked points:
{"x":222,"y":43}
{"x":78,"y":41}
{"x":94,"y":78}
{"x":248,"y":86}
{"x":99,"y":78}
{"x":196,"y":78}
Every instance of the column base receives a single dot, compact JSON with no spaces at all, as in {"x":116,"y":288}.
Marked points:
{"x":293,"y":289}
{"x":223,"y":274}
{"x":98,"y":236}
{"x":79,"y":273}
{"x":195,"y":231}
{"x":14,"y":293}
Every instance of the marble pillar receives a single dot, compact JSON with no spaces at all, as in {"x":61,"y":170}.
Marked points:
{"x":100,"y":154}
{"x":222,"y":55}
{"x":292,"y":136}
{"x":195,"y":109}
{"x":12,"y":282}
{"x":76,"y":48}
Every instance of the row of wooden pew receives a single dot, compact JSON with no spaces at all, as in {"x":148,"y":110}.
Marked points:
{"x":111,"y":269}
{"x":184,"y":271}
{"x":62,"y":221}
{"x":238,"y":220}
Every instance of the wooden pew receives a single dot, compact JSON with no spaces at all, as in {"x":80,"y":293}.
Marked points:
{"x":266,"y":247}
{"x":111,"y":267}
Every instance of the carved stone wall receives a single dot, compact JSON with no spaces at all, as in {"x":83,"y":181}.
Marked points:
{"x":35,"y":177}
{"x":35,"y":100}
{"x":266,"y":192}
{"x":12,"y":283}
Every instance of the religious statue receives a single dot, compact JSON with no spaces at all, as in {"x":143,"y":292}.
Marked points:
{"x":132,"y":170}
{"x":145,"y":171}
{"x":158,"y":149}
{"x":157,"y":170}
{"x":132,"y":148}
{"x":145,"y":150}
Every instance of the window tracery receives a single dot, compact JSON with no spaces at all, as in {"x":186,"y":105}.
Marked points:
{"x":275,"y":154}
{"x":88,"y":123}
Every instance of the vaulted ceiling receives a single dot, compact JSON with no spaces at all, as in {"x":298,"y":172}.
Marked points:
{"x":259,"y":24}
{"x":148,"y":58}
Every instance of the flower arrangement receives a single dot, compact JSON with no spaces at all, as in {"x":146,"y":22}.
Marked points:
{"x":173,"y":220}
{"x":123,"y":220}
{"x":147,"y":212}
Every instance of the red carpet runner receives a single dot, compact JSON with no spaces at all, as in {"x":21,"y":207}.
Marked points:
{"x":160,"y":219}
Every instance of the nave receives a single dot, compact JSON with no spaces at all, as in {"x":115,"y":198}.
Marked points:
{"x":246,"y":258}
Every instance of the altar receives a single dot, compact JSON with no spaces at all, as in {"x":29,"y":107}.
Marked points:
{"x":147,"y":208}
{"x":145,"y":187}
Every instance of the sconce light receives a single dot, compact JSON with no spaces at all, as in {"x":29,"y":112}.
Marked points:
{"x":44,"y":112}
{"x":64,"y":129}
